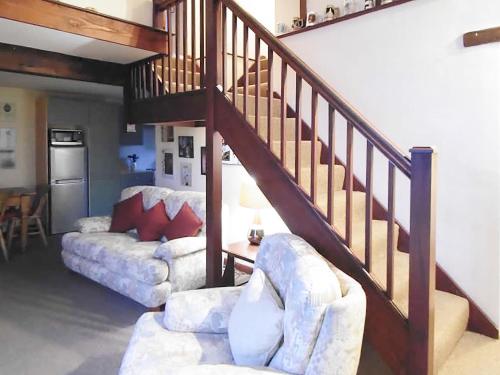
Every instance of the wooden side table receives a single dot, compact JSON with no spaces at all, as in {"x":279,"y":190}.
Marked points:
{"x":243,"y":250}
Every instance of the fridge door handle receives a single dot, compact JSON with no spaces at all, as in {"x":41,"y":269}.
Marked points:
{"x":69,"y":181}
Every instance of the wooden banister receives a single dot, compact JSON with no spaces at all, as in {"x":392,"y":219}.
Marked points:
{"x":382,"y":143}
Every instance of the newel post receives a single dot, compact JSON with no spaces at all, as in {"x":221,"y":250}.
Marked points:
{"x":422,"y":261}
{"x":214,"y":146}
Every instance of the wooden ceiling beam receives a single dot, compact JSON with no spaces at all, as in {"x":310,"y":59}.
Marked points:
{"x":25,"y":60}
{"x":84,"y":22}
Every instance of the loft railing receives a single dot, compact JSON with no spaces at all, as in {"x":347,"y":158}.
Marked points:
{"x":182,"y":68}
{"x":237,"y":31}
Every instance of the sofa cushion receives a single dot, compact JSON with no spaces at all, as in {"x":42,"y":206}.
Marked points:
{"x":256,"y":323}
{"x":126,"y":214}
{"x":184,"y":224}
{"x":90,"y":245}
{"x":197,"y":202}
{"x":307,"y":285}
{"x":152,"y":223}
{"x":154,"y":350}
{"x":135,"y":261}
{"x":223,"y":370}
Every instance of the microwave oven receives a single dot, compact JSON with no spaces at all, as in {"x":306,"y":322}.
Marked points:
{"x":65,"y":137}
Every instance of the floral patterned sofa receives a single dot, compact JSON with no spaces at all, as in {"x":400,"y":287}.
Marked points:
{"x":147,"y":272}
{"x":201,"y":345}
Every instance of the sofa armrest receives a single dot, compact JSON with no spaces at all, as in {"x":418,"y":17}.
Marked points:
{"x":93,"y":224}
{"x":201,"y":311}
{"x":180,"y":247}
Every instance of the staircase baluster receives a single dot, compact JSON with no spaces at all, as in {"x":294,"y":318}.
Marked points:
{"x":235,"y":55}
{"x":163,"y":75}
{"x":177,"y":73}
{"x":314,"y":144}
{"x":349,"y":184}
{"x":284,"y":72}
{"x":257,"y":83}
{"x":390,"y":231}
{"x":298,"y":129}
{"x":169,"y":20}
{"x":224,"y":49}
{"x":331,"y":164}
{"x":245,"y":72}
{"x":368,"y":206}
{"x":151,"y":78}
{"x":270,"y":90}
{"x":185,"y":45}
{"x":202,"y":43}
{"x":155,"y":78}
{"x":193,"y":44}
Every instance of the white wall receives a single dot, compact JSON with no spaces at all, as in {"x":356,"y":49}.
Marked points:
{"x":406,"y":70}
{"x":140,"y":11}
{"x":24,"y":172}
{"x":232,"y":177}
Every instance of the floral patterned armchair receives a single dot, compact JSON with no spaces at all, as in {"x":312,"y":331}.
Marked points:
{"x":191,"y":337}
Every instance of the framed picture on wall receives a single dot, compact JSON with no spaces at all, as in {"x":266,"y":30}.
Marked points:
{"x":186,"y":147}
{"x":228,"y":156}
{"x":203,"y":153}
{"x":168,"y":163}
{"x":186,"y":174}
{"x":167,"y":134}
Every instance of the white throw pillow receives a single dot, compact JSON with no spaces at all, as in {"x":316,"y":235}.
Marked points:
{"x":256,"y":323}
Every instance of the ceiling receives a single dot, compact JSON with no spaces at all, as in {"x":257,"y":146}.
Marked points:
{"x":23,"y":34}
{"x":57,"y":85}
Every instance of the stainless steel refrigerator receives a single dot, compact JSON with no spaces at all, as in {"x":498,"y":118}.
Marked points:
{"x":68,"y":187}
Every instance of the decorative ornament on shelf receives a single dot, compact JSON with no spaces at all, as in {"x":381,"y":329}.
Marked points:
{"x":133,"y":162}
{"x":312,"y":19}
{"x":369,"y":4}
{"x":331,"y":12}
{"x":297,"y":23}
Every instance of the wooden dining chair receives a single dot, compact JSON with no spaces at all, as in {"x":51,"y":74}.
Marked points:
{"x":35,"y":223}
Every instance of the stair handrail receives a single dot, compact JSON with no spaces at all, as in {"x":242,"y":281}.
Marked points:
{"x":380,"y":141}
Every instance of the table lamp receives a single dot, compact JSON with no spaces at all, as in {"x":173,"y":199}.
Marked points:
{"x":251,"y":197}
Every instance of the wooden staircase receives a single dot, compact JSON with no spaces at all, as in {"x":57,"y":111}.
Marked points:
{"x":416,"y":313}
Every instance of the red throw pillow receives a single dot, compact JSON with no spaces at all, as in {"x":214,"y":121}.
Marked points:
{"x":126,"y":213}
{"x":152,"y":223}
{"x":185,"y":224}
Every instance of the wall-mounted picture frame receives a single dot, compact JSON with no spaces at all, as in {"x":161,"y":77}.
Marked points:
{"x":168,"y":163}
{"x":186,"y":174}
{"x":203,"y":153}
{"x":228,"y":156}
{"x":167,"y":134}
{"x":7,"y":148}
{"x":186,"y":147}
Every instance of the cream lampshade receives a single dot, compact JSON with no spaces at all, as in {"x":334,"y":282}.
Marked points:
{"x":251,"y":197}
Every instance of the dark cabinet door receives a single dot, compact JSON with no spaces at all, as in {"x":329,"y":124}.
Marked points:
{"x":68,"y":113}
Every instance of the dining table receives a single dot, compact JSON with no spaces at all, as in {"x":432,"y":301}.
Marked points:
{"x":21,"y":198}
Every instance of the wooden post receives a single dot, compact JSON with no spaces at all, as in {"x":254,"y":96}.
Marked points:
{"x":422,"y":261}
{"x":214,"y":146}
{"x":159,"y":18}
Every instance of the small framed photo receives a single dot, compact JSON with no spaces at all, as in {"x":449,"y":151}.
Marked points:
{"x":186,"y":147}
{"x":228,"y":156}
{"x":168,"y":163}
{"x":203,"y":153}
{"x":167,"y":134}
{"x":186,"y":174}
